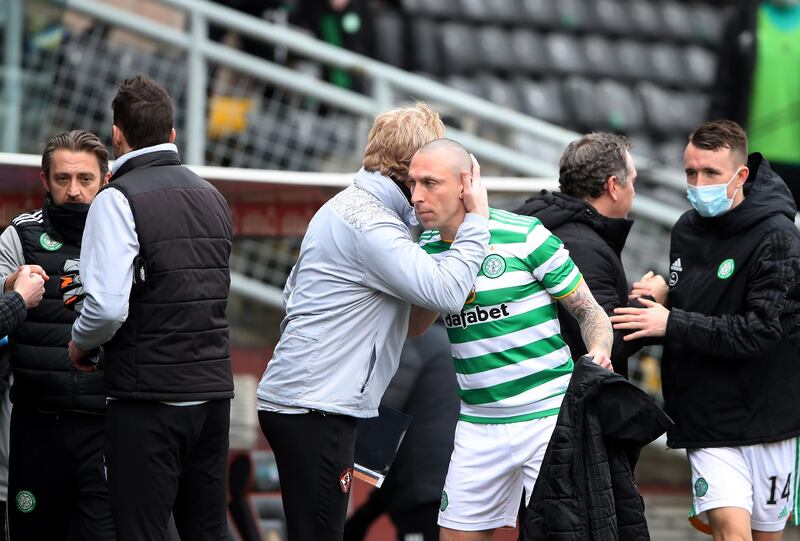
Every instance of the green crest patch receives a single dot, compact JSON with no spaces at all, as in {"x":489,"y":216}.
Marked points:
{"x":493,"y":266}
{"x":26,"y":501}
{"x":700,"y":487}
{"x":443,"y":505}
{"x":48,"y":243}
{"x":726,"y":269}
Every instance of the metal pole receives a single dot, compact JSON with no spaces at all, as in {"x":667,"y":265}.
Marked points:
{"x":13,"y":75}
{"x":196,"y":91}
{"x":382,"y":93}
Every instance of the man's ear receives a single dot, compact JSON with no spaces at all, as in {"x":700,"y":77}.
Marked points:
{"x":466,"y":176}
{"x":116,"y":136}
{"x":105,"y":179}
{"x":172,"y":135}
{"x":612,"y":187}
{"x":44,"y":181}
{"x":742,"y":176}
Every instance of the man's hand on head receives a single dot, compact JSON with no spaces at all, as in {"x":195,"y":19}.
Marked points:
{"x":475,"y":196}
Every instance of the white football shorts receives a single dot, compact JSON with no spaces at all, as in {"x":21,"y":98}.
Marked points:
{"x":489,"y":467}
{"x":760,"y":478}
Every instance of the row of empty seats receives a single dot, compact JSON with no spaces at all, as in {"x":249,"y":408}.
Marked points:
{"x":584,"y":104}
{"x":656,"y":19}
{"x":458,"y":48}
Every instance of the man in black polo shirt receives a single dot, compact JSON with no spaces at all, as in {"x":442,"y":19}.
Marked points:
{"x":156,"y":279}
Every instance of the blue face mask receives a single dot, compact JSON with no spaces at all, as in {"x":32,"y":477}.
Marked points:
{"x":712,"y":200}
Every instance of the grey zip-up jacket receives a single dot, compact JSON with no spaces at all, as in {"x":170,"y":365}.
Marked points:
{"x":348,"y":298}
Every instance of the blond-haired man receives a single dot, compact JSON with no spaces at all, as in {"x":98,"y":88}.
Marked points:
{"x":348,"y":301}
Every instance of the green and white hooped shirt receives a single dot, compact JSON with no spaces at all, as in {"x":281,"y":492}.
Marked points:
{"x":510,"y":360}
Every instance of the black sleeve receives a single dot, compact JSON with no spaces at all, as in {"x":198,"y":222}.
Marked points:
{"x":12,"y":312}
{"x":772,"y":279}
{"x":599,"y":274}
{"x":399,"y":389}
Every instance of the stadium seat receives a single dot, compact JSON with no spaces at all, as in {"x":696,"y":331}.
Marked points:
{"x":504,"y":11}
{"x":572,"y":14}
{"x":634,"y":60}
{"x":677,"y":20}
{"x":669,"y":64}
{"x":645,"y":19}
{"x":657,"y":107}
{"x":582,"y":101}
{"x":543,"y":99}
{"x":671,"y":151}
{"x":494,"y":46}
{"x":601,"y":56}
{"x":643,"y":145}
{"x":610,"y":16}
{"x":414,"y":6}
{"x":565,"y":54}
{"x":459,"y":48}
{"x":528,"y":51}
{"x":701,"y":66}
{"x":475,"y":10}
{"x":540,"y":13}
{"x":499,"y":91}
{"x":468,"y":84}
{"x":426,"y":52}
{"x":441,"y":8}
{"x":619,"y":106}
{"x":672,"y":113}
{"x":390,"y":37}
{"x":708,"y":22}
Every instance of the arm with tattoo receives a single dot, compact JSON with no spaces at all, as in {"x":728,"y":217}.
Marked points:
{"x":594,"y":323}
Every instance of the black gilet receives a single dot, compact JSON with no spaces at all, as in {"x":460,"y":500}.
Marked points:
{"x":44,"y":378}
{"x":174,"y":345}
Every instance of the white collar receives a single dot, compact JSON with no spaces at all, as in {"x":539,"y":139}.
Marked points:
{"x":139,"y":151}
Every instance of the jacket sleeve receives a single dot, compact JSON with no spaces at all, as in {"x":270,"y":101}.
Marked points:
{"x":12,"y":312}
{"x":599,"y":276}
{"x":402,"y":384}
{"x":772,"y":280}
{"x":396,"y":265}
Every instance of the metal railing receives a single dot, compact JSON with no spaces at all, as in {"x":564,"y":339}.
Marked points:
{"x":386,"y":83}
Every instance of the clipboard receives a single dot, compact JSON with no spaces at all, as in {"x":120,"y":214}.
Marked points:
{"x":377,"y":441}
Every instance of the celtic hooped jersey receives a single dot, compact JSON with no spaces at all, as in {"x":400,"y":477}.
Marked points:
{"x":510,"y":360}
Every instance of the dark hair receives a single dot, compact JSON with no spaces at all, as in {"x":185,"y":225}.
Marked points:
{"x":143,"y":111}
{"x":587,"y":163}
{"x":717,"y":134}
{"x":75,"y":141}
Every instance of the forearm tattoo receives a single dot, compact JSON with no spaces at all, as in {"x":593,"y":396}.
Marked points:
{"x":595,"y":326}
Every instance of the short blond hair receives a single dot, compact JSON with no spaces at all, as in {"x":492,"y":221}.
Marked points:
{"x":396,"y":135}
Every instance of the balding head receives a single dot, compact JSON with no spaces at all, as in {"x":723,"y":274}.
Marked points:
{"x":450,"y":152}
{"x":436,"y":179}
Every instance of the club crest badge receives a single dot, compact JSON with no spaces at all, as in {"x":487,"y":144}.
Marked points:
{"x":48,"y":243}
{"x":345,"y":480}
{"x":26,"y":501}
{"x":493,"y":266}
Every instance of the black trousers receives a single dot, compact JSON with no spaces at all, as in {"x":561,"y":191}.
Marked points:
{"x":314,"y":454}
{"x":164,"y":459}
{"x":56,"y":484}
